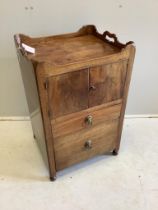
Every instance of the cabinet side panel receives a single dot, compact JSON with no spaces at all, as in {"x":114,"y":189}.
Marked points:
{"x":31,"y":92}
{"x":132,"y":50}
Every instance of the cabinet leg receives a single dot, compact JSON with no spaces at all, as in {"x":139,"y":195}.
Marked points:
{"x":53,"y":178}
{"x":115,"y":152}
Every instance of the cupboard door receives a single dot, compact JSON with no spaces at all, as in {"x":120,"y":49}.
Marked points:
{"x":68,"y":93}
{"x":106,"y":83}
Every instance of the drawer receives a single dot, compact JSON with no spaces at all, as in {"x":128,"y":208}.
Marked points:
{"x":85,"y":119}
{"x":84,"y":144}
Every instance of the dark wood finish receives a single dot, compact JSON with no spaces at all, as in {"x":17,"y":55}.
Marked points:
{"x":68,"y":93}
{"x":132,"y":50}
{"x":47,"y":125}
{"x":107,"y":83}
{"x":72,"y":123}
{"x":71,"y":67}
{"x":32,"y":96}
{"x":71,"y":149}
{"x":74,"y":49}
{"x":76,"y":86}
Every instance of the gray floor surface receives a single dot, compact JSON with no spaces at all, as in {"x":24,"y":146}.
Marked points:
{"x":128,"y":181}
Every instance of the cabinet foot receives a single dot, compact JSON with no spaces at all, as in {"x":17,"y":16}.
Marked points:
{"x":53,"y":178}
{"x":115,"y":152}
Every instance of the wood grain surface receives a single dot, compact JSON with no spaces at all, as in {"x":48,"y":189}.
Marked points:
{"x":82,"y":75}
{"x":68,"y":93}
{"x":77,"y":121}
{"x":71,"y":149}
{"x":46,"y":121}
{"x":132,"y":51}
{"x":107,"y":83}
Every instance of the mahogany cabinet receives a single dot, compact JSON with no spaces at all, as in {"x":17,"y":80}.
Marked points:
{"x":76,"y":87}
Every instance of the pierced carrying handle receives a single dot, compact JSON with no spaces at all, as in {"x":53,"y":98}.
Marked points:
{"x":91,"y":29}
{"x":115,"y":41}
{"x":110,"y":35}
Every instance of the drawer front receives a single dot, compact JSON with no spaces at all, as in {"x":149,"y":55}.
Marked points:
{"x":106,"y":83}
{"x":85,"y":144}
{"x":85,"y":119}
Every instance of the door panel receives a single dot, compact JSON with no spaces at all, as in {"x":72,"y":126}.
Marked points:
{"x":107,"y":83}
{"x":68,"y":93}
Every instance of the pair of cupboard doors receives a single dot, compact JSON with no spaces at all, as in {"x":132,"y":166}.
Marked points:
{"x":75,"y":91}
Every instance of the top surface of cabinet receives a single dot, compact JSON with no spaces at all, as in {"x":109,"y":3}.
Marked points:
{"x":86,"y":44}
{"x":68,"y":50}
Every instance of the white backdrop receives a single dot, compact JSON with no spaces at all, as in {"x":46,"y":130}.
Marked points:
{"x":135,"y":20}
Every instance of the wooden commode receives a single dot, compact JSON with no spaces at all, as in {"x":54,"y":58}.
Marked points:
{"x":76,"y":87}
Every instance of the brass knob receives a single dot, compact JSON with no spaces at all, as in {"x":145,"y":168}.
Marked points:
{"x":89,"y":119}
{"x":88,"y":144}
